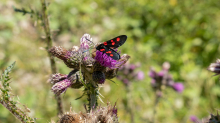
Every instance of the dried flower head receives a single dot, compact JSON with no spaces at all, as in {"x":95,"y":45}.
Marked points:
{"x":100,"y":115}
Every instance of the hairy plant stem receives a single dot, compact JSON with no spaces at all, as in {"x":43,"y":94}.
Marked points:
{"x":20,"y":115}
{"x":92,"y":97}
{"x":91,"y":88}
{"x":49,"y":45}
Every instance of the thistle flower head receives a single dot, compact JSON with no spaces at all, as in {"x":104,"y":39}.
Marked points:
{"x":61,"y":86}
{"x":179,"y":87}
{"x":140,"y":75}
{"x":107,"y":61}
{"x":99,"y":77}
{"x":57,"y":77}
{"x":194,"y":119}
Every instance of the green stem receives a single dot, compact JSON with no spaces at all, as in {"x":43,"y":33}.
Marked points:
{"x":93,"y":98}
{"x":20,"y":115}
{"x":49,"y":45}
{"x":129,"y":103}
{"x":155,"y":107}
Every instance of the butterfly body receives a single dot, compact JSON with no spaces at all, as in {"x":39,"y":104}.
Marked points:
{"x":109,"y":46}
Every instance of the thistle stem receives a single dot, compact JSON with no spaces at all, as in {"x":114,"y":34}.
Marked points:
{"x":129,"y":103}
{"x":49,"y":45}
{"x":157,"y":99}
{"x":93,"y":98}
{"x":20,"y":115}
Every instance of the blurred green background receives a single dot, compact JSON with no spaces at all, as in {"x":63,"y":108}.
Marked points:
{"x":186,"y":33}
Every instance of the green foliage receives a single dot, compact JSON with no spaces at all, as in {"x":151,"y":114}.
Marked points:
{"x":7,"y":101}
{"x":5,"y":83}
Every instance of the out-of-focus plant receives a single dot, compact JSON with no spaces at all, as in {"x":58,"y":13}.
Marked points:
{"x":7,"y":98}
{"x":128,"y":74}
{"x":161,"y":80}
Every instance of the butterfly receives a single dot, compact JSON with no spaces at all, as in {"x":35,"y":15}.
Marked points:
{"x":109,"y":46}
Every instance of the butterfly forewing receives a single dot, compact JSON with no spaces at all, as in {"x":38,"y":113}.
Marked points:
{"x":110,"y":52}
{"x":116,"y":42}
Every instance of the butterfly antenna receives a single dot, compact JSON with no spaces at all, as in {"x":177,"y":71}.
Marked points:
{"x":90,"y":41}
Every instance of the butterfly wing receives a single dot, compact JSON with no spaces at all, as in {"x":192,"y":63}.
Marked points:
{"x":110,"y":52}
{"x":116,"y":42}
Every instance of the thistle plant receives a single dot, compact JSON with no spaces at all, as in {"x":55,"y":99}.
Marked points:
{"x":128,"y":74}
{"x":161,"y":80}
{"x":88,"y":71}
{"x":7,"y":99}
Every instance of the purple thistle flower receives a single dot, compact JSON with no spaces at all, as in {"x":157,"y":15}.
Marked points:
{"x":57,"y":77}
{"x":152,"y":73}
{"x":61,"y":86}
{"x":107,"y":61}
{"x":132,"y":67}
{"x":125,"y":81}
{"x":140,"y":75}
{"x":179,"y":87}
{"x":194,"y":119}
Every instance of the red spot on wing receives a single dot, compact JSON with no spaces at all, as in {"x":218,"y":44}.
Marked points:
{"x":118,"y":39}
{"x":113,"y":43}
{"x":111,"y":55}
{"x":102,"y":50}
{"x":105,"y":43}
{"x":109,"y":52}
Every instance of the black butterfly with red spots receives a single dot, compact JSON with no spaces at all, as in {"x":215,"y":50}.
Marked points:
{"x":108,"y":46}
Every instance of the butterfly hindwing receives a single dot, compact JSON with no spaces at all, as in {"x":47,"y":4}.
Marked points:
{"x":116,"y":42}
{"x":110,"y":52}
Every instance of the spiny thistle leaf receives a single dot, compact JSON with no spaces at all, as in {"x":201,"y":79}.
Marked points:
{"x":7,"y":101}
{"x":5,"y":76}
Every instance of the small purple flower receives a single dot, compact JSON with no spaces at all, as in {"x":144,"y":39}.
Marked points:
{"x":140,"y":75}
{"x":179,"y":87}
{"x":126,"y":81}
{"x":106,"y":60}
{"x":152,"y":73}
{"x":132,"y":66}
{"x":194,"y":119}
{"x":61,"y":86}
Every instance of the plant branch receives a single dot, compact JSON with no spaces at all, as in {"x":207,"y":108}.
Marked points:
{"x":49,"y":45}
